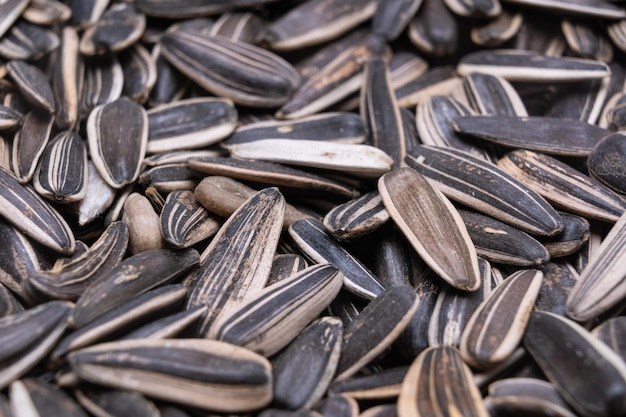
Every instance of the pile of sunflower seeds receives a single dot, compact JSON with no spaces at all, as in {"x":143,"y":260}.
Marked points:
{"x":312,"y":208}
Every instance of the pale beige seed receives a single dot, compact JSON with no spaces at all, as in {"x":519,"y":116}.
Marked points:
{"x":144,"y":225}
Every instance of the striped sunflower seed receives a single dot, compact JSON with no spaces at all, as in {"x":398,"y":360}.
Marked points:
{"x":286,"y":265}
{"x":244,"y":73}
{"x":393,"y":260}
{"x":10,"y":11}
{"x":437,"y":81}
{"x":191,"y":123}
{"x":301,"y":380}
{"x":497,"y":326}
{"x":37,"y":398}
{"x":118,"y":28}
{"x":109,"y":402}
{"x":8,"y":303}
{"x":438,"y":379}
{"x":240,"y":26}
{"x":269,"y":320}
{"x":492,"y":95}
{"x":496,"y":32}
{"x":117,"y":134}
{"x":312,"y":239}
{"x":200,"y":373}
{"x":61,"y":175}
{"x":617,"y":33}
{"x":86,"y":12}
{"x":33,"y":84}
{"x":184,"y":222}
{"x":442,"y":240}
{"x":47,"y":12}
{"x":568,"y":354}
{"x":66,"y":80}
{"x":9,"y":117}
{"x":243,"y":248}
{"x":375,"y":329}
{"x":27,"y":41}
{"x":167,"y":327}
{"x":385,"y":410}
{"x":586,"y":40}
{"x":474,"y":183}
{"x":28,"y":336}
{"x":434,"y":30}
{"x":575,"y":233}
{"x":139,"y":71}
{"x":582,"y":102}
{"x":392,"y":17}
{"x":357,"y":217}
{"x":606,"y":161}
{"x":170,"y":84}
{"x":338,"y":406}
{"x":103,"y":81}
{"x":475,"y":8}
{"x":614,"y":113}
{"x":194,"y":8}
{"x":381,"y":385}
{"x":316,"y":21}
{"x":558,"y":280}
{"x":29,"y":143}
{"x":612,"y":333}
{"x":169,"y":177}
{"x":21,"y":206}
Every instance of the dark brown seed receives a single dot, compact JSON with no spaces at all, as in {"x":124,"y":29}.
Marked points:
{"x":9,"y":117}
{"x":587,"y":40}
{"x":437,"y":81}
{"x":86,"y":12}
{"x":492,"y":95}
{"x":380,"y":385}
{"x":8,"y":303}
{"x":108,"y":402}
{"x":170,"y":84}
{"x":575,"y":233}
{"x":338,"y":406}
{"x":167,"y":327}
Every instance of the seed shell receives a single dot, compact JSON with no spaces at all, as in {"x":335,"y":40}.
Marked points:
{"x":139,"y":71}
{"x":33,"y":84}
{"x":526,"y":396}
{"x":246,"y":27}
{"x":66,"y":80}
{"x":184,"y":222}
{"x":29,"y":144}
{"x":110,"y":402}
{"x":118,"y":28}
{"x":103,"y":81}
{"x":27,"y":41}
{"x":10,"y":11}
{"x":392,"y":17}
{"x":357,"y":217}
{"x":37,"y":398}
{"x":434,"y":29}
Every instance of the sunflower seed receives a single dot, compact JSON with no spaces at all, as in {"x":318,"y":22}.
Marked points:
{"x":516,"y":65}
{"x":118,"y":28}
{"x":8,"y":303}
{"x":583,"y":101}
{"x":22,"y":207}
{"x":200,"y":373}
{"x":601,"y":283}
{"x":169,"y":177}
{"x":61,"y":175}
{"x":583,"y":8}
{"x":267,"y":321}
{"x":103,"y":82}
{"x":98,"y":197}
{"x":28,"y":336}
{"x":243,"y":27}
{"x":438,"y":379}
{"x":437,"y":81}
{"x":338,"y":406}
{"x":434,"y":29}
{"x":10,"y":11}
{"x":492,"y":95}
{"x":284,"y":266}
{"x":391,"y":17}
{"x":117,"y":134}
{"x":139,"y":71}
{"x":475,"y":8}
{"x":375,"y":328}
{"x":66,"y":80}
{"x":442,"y":241}
{"x":497,"y":326}
{"x":606,"y":161}
{"x":497,"y":31}
{"x":86,"y":12}
{"x":174,"y":9}
{"x":612,"y":333}
{"x":170,"y":84}
{"x":47,"y":12}
{"x":184,"y":222}
{"x":558,"y":280}
{"x":29,"y":143}
{"x":357,"y":217}
{"x":144,"y":225}
{"x":243,"y":247}
{"x":312,"y":239}
{"x":568,"y":354}
{"x":385,"y":410}
{"x":316,"y":21}
{"x":168,"y":326}
{"x":33,"y":84}
{"x":575,"y":233}
{"x":255,"y":77}
{"x":617,"y":33}
{"x":614,"y":113}
{"x":381,"y":385}
{"x":108,"y":403}
{"x":586,"y":40}
{"x":16,"y":270}
{"x":36,"y":398}
{"x":9,"y":117}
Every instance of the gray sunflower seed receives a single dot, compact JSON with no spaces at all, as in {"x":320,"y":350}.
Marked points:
{"x":475,"y":8}
{"x":270,"y":319}
{"x":558,"y":280}
{"x":516,"y":65}
{"x":102,"y":83}
{"x":21,"y":206}
{"x":375,"y":328}
{"x":492,"y":95}
{"x":144,"y":225}
{"x":380,"y":111}
{"x":437,"y":81}
{"x":474,"y":182}
{"x":118,"y":28}
{"x":583,"y":8}
{"x":139,"y":71}
{"x":29,"y":143}
{"x":286,"y":265}
{"x":606,"y":161}
{"x":540,"y":32}
{"x":391,"y":17}
{"x":98,"y":197}
{"x":47,"y":12}
{"x":35,"y":398}
{"x":244,"y":73}
{"x":191,"y":123}
{"x":312,"y":239}
{"x":9,"y":117}
{"x":8,"y":303}
{"x":68,"y":280}
{"x":117,"y":134}
{"x":563,"y":185}
{"x":381,"y":385}
{"x":301,"y":380}
{"x":526,"y":396}
{"x":138,"y":310}
{"x":316,"y":21}
{"x":61,"y":175}
{"x":357,"y":217}
{"x":113,"y":403}
{"x":601,"y":283}
{"x":583,"y":102}
{"x":243,"y":247}
{"x":612,"y":332}
{"x":567,"y":354}
{"x":337,"y":79}
{"x":86,"y":12}
{"x":497,"y":326}
{"x":240,"y":26}
{"x":501,"y":243}
{"x":439,"y":381}
{"x":497,"y":31}
{"x":170,"y":84}
{"x":130,"y":278}
{"x":33,"y":84}
{"x":434,"y":30}
{"x":195,"y":8}
{"x":167,"y":327}
{"x":575,"y":233}
{"x":28,"y":336}
{"x":586,"y":40}
{"x":442,"y":240}
{"x":453,"y":309}
{"x":333,"y":127}
{"x":393,"y":260}
{"x":184,"y":222}
{"x":66,"y":80}
{"x":359,"y":160}
{"x":200,"y":373}
{"x":338,"y":406}
{"x":10,"y":11}
{"x":169,"y":177}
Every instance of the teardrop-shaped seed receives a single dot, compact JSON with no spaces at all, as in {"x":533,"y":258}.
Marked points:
{"x":102,"y":83}
{"x":117,"y":134}
{"x":98,"y":197}
{"x":27,"y":41}
{"x":357,"y":217}
{"x":393,"y":16}
{"x":246,"y":27}
{"x":184,"y":222}
{"x":9,"y":117}
{"x":574,"y":234}
{"x":434,"y":30}
{"x":607,"y":160}
{"x":241,"y":72}
{"x":200,"y":373}
{"x":29,"y":143}
{"x":432,"y":225}
{"x":10,"y":11}
{"x":492,"y":95}
{"x":558,"y":280}
{"x":33,"y":84}
{"x":139,"y":71}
